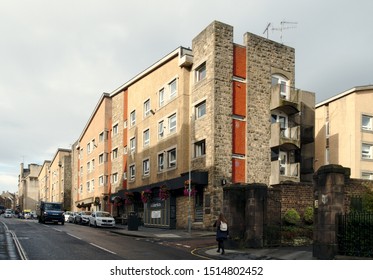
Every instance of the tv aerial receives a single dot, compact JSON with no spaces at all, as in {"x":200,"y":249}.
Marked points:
{"x":284,"y":25}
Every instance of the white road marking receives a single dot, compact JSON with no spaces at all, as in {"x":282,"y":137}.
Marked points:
{"x":102,"y":248}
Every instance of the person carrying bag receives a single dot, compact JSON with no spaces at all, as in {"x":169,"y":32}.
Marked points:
{"x":221,"y":232}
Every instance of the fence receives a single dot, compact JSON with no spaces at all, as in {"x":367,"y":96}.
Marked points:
{"x":354,"y":234}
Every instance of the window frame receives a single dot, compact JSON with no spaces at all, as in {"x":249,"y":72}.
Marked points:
{"x":172,"y":125}
{"x":147,"y":108}
{"x":200,"y":148}
{"x":173,"y":93}
{"x":133,"y":118}
{"x":200,"y":72}
{"x":367,"y":155}
{"x":132,"y":171}
{"x":370,"y":121}
{"x":171,"y":163}
{"x":146,"y":137}
{"x":146,"y":167}
{"x":198,"y":109}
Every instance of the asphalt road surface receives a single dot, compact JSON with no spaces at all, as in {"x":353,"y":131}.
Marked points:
{"x":78,"y":242}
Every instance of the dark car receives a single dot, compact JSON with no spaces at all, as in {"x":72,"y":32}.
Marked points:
{"x":51,"y":212}
{"x":82,"y":218}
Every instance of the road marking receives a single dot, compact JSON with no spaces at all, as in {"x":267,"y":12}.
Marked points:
{"x":74,"y":236}
{"x":102,"y":248}
{"x":21,"y":252}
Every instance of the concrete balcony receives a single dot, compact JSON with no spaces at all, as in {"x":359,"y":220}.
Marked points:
{"x":285,"y":137}
{"x":283,"y":173}
{"x":287,"y":102}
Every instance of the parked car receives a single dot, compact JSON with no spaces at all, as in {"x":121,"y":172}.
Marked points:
{"x":67,"y":215}
{"x":71,"y":218}
{"x":83,"y":217}
{"x":8,"y":213}
{"x":101,"y":219}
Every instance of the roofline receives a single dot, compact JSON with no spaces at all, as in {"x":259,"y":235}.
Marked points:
{"x":103,"y":96}
{"x":59,"y":150}
{"x":345,"y":93}
{"x":171,"y":55}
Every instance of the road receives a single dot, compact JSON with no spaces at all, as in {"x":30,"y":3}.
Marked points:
{"x":78,"y":242}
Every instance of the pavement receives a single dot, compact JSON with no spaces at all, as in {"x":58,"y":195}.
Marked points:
{"x":203,"y":244}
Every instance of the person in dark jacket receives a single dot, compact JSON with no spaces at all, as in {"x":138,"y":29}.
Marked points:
{"x":221,"y":232}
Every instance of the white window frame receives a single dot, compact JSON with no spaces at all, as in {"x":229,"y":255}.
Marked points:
{"x":367,"y":175}
{"x":115,"y":129}
{"x":101,"y":180}
{"x":161,"y":97}
{"x":161,"y":128}
{"x":133,"y":144}
{"x":172,"y":86}
{"x":366,"y":151}
{"x":115,"y":153}
{"x":160,"y":161}
{"x":172,"y":123}
{"x":171,"y":162}
{"x":147,"y":108}
{"x":146,"y":137}
{"x":133,"y":118}
{"x":284,"y":85}
{"x":369,"y":126}
{"x":146,"y":167}
{"x":114,"y":178}
{"x":93,"y":185}
{"x":200,"y":72}
{"x":200,"y":109}
{"x":88,"y":186}
{"x":200,"y":148}
{"x":132,"y":169}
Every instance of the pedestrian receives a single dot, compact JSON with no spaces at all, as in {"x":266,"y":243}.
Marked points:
{"x":221,"y":232}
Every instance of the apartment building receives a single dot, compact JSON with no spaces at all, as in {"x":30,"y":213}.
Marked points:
{"x":344,"y":131}
{"x":194,"y":122}
{"x":28,"y":187}
{"x":43,"y":178}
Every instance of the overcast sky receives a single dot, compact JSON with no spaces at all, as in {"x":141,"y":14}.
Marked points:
{"x":58,"y":57}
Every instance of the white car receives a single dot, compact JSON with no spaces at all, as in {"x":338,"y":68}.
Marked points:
{"x":8,"y":213}
{"x":67,"y":215}
{"x":101,"y":219}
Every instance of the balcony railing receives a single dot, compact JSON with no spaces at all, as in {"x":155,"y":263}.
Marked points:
{"x":286,"y":172}
{"x":281,"y":136}
{"x":287,"y":97}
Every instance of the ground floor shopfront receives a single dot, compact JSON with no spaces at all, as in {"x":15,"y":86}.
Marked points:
{"x":170,"y":204}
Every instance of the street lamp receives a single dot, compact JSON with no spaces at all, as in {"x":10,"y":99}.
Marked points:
{"x":190,"y":178}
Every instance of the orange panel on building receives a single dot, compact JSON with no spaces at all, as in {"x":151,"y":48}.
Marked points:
{"x":238,"y":170}
{"x":239,"y":61}
{"x":239,"y":130}
{"x":239,"y":98}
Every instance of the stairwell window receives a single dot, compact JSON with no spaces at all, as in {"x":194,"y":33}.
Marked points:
{"x":200,"y":72}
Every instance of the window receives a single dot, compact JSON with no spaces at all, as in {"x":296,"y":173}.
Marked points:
{"x":93,"y":164}
{"x":88,"y":167}
{"x":160,"y":130}
{"x":201,"y":110}
{"x":115,"y":153}
{"x":161,"y":97}
{"x":115,"y":129}
{"x":88,"y":187}
{"x":173,"y":88}
{"x":89,"y":148}
{"x":102,"y":136}
{"x":125,"y":150}
{"x":102,"y":158}
{"x":145,"y":167}
{"x":171,"y":156}
{"x":284,"y":85}
{"x":200,"y":72}
{"x":366,"y":122}
{"x":92,"y":185}
{"x":133,"y":117}
{"x":147,"y":108}
{"x":327,"y":129}
{"x":133,"y":144}
{"x":102,"y":180}
{"x":367,"y":175}
{"x":161,"y":162}
{"x":327,"y":155}
{"x":114,"y":178}
{"x":146,"y":137}
{"x":199,"y":148}
{"x":132,"y":172}
{"x":172,"y":123}
{"x":366,"y":151}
